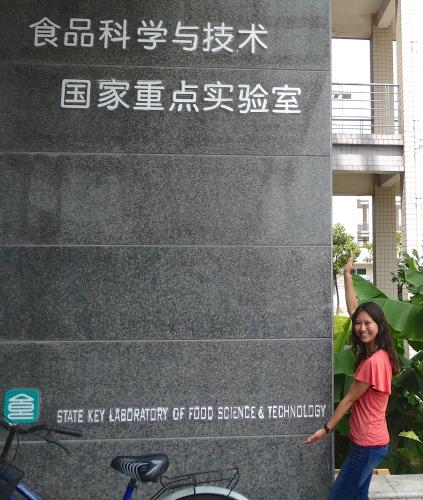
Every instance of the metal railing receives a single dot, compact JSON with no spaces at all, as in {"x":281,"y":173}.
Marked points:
{"x":365,"y":108}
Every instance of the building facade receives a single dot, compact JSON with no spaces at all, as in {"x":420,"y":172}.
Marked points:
{"x":164,"y":286}
{"x":377,"y":144}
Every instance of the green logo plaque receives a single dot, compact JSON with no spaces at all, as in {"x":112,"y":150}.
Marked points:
{"x":21,"y":406}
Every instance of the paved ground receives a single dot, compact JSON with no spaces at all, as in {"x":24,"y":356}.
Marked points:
{"x":406,"y":487}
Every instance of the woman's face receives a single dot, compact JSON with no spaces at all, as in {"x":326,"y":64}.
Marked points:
{"x":366,"y":330}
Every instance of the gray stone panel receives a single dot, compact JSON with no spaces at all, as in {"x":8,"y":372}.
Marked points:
{"x":30,"y":123}
{"x":298,"y":32}
{"x":54,"y":293}
{"x":271,"y":467}
{"x":162,"y":200}
{"x":169,"y":259}
{"x":214,"y":375}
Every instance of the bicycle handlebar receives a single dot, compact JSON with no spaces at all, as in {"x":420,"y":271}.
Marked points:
{"x":67,"y":431}
{"x":41,"y":427}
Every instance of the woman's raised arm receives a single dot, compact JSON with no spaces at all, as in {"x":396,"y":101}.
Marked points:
{"x":350,"y":296}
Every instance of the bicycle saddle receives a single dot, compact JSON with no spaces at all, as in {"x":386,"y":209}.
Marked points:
{"x":144,"y":468}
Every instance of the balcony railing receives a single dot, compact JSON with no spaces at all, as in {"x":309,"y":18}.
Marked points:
{"x":365,"y":108}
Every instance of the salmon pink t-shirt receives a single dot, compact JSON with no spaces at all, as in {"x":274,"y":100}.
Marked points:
{"x":368,"y":422}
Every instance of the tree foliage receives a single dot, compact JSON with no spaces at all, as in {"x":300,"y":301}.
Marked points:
{"x":343,"y":244}
{"x":369,"y":247}
{"x":407,"y":264}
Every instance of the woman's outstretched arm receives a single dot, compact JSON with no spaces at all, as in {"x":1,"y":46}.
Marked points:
{"x":350,"y":296}
{"x":356,"y":390}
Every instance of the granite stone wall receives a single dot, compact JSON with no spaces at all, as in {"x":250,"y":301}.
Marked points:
{"x":165,"y":237}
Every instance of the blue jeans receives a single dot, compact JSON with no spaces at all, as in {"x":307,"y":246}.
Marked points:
{"x":353,"y":481}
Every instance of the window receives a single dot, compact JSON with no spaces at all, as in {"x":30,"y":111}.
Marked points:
{"x":361,"y":271}
{"x":363,"y":227}
{"x":341,"y":96}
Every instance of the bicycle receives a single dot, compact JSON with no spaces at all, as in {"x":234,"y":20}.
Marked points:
{"x":145,"y":469}
{"x":10,"y":475}
{"x":195,"y":486}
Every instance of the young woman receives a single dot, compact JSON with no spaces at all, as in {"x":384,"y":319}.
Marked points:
{"x":376,"y":361}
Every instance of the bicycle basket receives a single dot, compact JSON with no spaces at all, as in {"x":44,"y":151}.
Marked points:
{"x":10,"y":476}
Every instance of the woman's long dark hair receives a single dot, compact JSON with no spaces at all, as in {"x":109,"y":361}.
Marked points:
{"x":383,"y":337}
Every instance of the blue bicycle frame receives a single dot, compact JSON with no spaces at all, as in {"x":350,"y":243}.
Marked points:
{"x":26,"y":493}
{"x":129,"y":490}
{"x":11,"y":476}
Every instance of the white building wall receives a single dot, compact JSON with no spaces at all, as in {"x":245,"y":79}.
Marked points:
{"x":384,"y":211}
{"x":382,"y":73}
{"x":410,"y":77}
{"x":367,"y":158}
{"x":384,"y":245}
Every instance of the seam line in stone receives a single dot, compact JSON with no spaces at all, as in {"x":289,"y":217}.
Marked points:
{"x":195,"y":155}
{"x":112,"y":245}
{"x":246,"y":436}
{"x":141,"y":66}
{"x":161,"y":341}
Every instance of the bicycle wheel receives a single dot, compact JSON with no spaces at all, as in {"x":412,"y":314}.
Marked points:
{"x":205,"y":492}
{"x":203,"y":496}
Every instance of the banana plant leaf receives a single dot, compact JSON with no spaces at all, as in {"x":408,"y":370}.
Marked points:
{"x":403,"y":414}
{"x":344,"y":362}
{"x":338,"y":387}
{"x":411,"y":379}
{"x":406,"y":456}
{"x":412,"y":261}
{"x":415,"y":278}
{"x":416,"y":345}
{"x":404,"y":317}
{"x":343,"y":426}
{"x":342,"y":338}
{"x":399,"y":346}
{"x":342,"y":383}
{"x":417,"y":299}
{"x":366,"y":290}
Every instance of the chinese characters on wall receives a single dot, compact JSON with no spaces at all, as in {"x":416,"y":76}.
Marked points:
{"x":146,"y":95}
{"x":154,"y":95}
{"x":149,"y":35}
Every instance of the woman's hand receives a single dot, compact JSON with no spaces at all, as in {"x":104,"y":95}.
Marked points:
{"x":349,"y":265}
{"x":317,"y":436}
